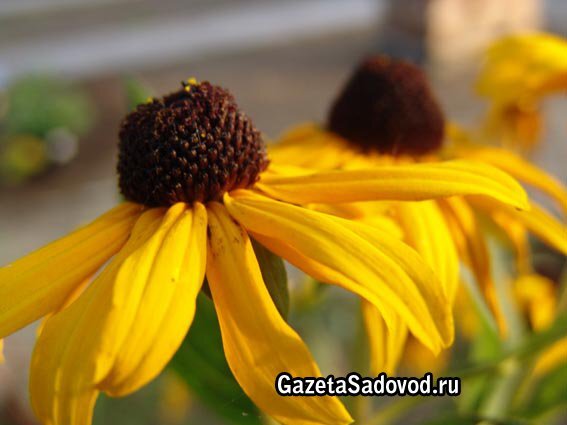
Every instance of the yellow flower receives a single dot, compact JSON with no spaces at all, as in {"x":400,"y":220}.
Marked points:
{"x":387,"y":118}
{"x":198,"y":184}
{"x":517,"y":73}
{"x":537,"y":299}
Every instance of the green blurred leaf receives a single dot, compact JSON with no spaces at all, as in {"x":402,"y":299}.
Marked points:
{"x":201,"y":363}
{"x":550,"y":393}
{"x":136,"y":92}
{"x":36,"y":105}
{"x":532,"y":345}
{"x":275,"y":277}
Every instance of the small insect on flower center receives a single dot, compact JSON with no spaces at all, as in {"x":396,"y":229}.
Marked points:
{"x":388,"y":107}
{"x":191,"y":145}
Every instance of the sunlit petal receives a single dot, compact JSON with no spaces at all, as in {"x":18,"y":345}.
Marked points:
{"x":38,"y":283}
{"x":520,"y":169}
{"x":167,"y":307}
{"x":77,"y":346}
{"x":379,"y":268}
{"x":406,"y":182}
{"x":427,"y":232}
{"x":386,"y":342}
{"x":258,"y":343}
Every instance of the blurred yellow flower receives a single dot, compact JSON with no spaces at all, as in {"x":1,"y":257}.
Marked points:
{"x":518,"y":71}
{"x":537,"y":298}
{"x":195,"y":173}
{"x":387,"y":118}
{"x":175,"y":400}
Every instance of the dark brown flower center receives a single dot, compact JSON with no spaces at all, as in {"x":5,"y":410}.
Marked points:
{"x":191,"y":145}
{"x":388,"y":107}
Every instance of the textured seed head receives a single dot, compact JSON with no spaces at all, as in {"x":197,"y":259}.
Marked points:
{"x":388,"y":107}
{"x":191,"y":145}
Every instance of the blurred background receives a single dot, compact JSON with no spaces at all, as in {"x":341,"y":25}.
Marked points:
{"x":71,"y":69}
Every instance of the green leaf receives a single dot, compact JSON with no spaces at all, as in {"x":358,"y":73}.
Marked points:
{"x":550,"y":393}
{"x":202,"y":365}
{"x":532,"y":346}
{"x":275,"y":277}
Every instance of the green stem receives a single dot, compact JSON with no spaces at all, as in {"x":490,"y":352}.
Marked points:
{"x":512,"y":371}
{"x":498,"y":404}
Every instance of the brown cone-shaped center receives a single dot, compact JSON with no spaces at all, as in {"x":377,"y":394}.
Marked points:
{"x":191,"y":145}
{"x":388,"y":107}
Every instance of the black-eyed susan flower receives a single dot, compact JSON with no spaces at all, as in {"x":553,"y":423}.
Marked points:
{"x":517,"y":73}
{"x":387,"y":118}
{"x":119,"y":294}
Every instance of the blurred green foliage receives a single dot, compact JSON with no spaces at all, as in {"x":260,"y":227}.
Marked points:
{"x":38,"y":104}
{"x":41,"y":119}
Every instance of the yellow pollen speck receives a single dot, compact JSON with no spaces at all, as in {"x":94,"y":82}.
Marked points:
{"x":192,"y":81}
{"x":203,"y":135}
{"x":149,"y":99}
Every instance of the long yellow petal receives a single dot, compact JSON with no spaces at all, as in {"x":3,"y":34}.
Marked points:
{"x":536,"y":220}
{"x":38,"y":283}
{"x":77,"y":346}
{"x":520,"y":169}
{"x":258,"y":343}
{"x":405,"y":182}
{"x":427,"y":232}
{"x":377,"y":267}
{"x":386,"y":342}
{"x":167,"y":306}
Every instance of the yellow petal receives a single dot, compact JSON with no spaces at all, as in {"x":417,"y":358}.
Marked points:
{"x":167,"y":307}
{"x":73,"y":296}
{"x":377,"y":267}
{"x":376,"y":214}
{"x":520,"y":169}
{"x":38,"y":283}
{"x":77,"y":346}
{"x":405,"y":182}
{"x":473,"y":249}
{"x":386,"y":342}
{"x":427,"y":232}
{"x":536,"y":220}
{"x":308,"y":145}
{"x":551,"y":358}
{"x":257,"y":342}
{"x":516,"y":235}
{"x":520,"y":66}
{"x":537,"y":297}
